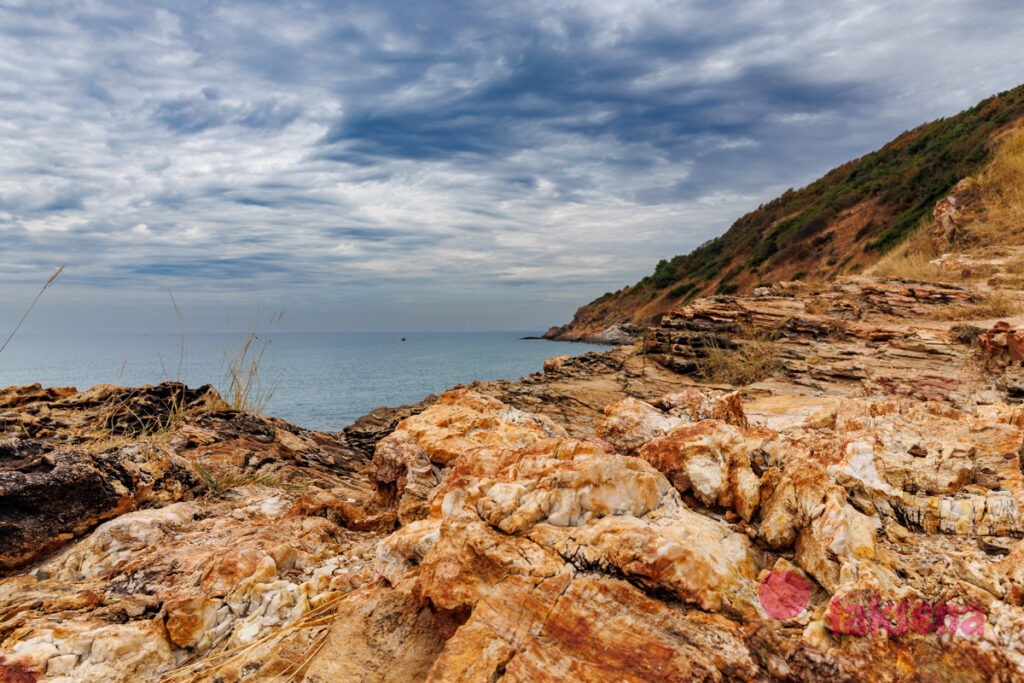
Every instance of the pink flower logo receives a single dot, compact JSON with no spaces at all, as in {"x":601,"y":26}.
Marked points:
{"x":784,"y":594}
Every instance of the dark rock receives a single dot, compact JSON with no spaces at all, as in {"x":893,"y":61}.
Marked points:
{"x":363,"y":434}
{"x":50,"y":495}
{"x":996,"y":545}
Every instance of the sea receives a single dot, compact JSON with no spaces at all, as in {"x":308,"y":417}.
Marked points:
{"x":321,"y":381}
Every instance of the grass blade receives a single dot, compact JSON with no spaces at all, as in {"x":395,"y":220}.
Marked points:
{"x":53,"y":278}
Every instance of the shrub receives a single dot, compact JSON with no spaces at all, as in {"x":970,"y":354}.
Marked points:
{"x":755,"y":357}
{"x":664,"y":274}
{"x":682,"y":290}
{"x":966,"y":334}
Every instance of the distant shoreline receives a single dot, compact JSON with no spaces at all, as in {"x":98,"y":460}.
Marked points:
{"x":572,"y":341}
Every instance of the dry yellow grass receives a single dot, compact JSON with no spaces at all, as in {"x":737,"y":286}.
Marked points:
{"x":316,"y":623}
{"x":755,"y":358}
{"x":911,"y":260}
{"x":248,"y":388}
{"x":995,"y":305}
{"x":21,"y":321}
{"x":996,"y":218}
{"x":1001,"y":188}
{"x":1015,"y":266}
{"x":219,"y":482}
{"x":817,"y":306}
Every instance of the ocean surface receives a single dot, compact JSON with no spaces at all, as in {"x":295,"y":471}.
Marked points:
{"x":320,"y":381}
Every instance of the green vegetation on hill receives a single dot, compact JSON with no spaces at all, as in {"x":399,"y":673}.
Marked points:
{"x":907,"y":176}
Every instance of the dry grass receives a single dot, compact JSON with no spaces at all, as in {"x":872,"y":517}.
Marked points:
{"x":1013,"y":275}
{"x":155,"y":429}
{"x":755,"y":358}
{"x":217,"y":484}
{"x":1015,"y":265}
{"x":912,"y":259}
{"x":1001,"y":188}
{"x":248,"y":387}
{"x":995,"y":217}
{"x":46,"y":286}
{"x":317,"y":621}
{"x":994,"y":305}
{"x":817,"y":306}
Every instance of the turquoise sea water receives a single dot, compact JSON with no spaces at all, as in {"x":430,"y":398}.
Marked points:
{"x":322,"y":381}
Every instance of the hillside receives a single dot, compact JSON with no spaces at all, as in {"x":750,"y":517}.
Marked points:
{"x":840,"y":224}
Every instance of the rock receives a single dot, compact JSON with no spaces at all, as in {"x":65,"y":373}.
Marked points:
{"x":590,"y":629}
{"x":595,"y":332}
{"x":209,"y":537}
{"x":404,"y":464}
{"x":630,"y":423}
{"x":711,"y":459}
{"x":189,"y":618}
{"x":594,"y":507}
{"x":1001,"y":346}
{"x":697,"y":405}
{"x":48,"y":495}
{"x":950,"y":227}
{"x":619,"y":333}
{"x":69,"y":415}
{"x":552,"y":365}
{"x":382,"y":634}
{"x":365,"y":433}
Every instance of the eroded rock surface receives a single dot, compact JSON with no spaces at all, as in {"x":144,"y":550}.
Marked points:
{"x":206,"y":531}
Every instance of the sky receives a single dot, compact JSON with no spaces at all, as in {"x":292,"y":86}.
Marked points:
{"x":456,"y":165}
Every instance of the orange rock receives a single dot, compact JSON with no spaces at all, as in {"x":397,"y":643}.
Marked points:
{"x":188,"y":618}
{"x":712,"y":459}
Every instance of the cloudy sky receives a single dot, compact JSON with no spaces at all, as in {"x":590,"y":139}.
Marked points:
{"x":386,"y":165}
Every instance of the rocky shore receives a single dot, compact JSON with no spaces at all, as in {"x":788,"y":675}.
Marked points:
{"x":853,"y":513}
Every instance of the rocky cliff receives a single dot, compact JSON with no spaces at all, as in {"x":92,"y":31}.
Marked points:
{"x":801,"y":485}
{"x":839,"y":225}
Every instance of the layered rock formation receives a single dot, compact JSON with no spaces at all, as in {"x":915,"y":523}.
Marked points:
{"x":853,"y":515}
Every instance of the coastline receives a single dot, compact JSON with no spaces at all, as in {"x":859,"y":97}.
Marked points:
{"x":321,"y":381}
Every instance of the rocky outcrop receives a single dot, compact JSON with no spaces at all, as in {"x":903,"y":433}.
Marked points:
{"x":209,"y":529}
{"x":850,"y":338}
{"x":844,"y":223}
{"x":570,"y":532}
{"x":620,"y":333}
{"x":952,"y":214}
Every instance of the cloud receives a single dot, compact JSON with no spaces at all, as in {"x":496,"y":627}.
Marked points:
{"x":207,"y":110}
{"x":368,"y":164}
